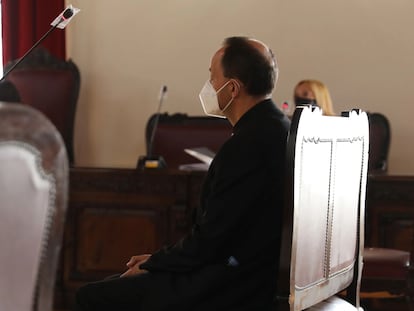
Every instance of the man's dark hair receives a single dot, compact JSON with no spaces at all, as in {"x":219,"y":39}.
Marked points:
{"x":8,"y":92}
{"x":243,"y":61}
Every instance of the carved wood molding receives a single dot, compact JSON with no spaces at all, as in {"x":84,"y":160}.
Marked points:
{"x":128,"y":181}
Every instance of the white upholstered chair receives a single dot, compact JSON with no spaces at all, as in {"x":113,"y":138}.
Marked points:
{"x":33,"y":195}
{"x":323,"y":238}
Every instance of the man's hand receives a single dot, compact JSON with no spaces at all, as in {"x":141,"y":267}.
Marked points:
{"x":134,"y":263}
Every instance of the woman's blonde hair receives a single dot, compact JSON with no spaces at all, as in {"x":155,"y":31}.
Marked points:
{"x":322,"y":96}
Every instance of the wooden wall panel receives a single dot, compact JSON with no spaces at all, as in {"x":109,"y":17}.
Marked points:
{"x":107,"y":238}
{"x":390,"y":212}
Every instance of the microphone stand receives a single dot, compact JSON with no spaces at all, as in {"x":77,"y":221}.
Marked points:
{"x":66,"y":14}
{"x":28,"y":52}
{"x":151,"y":161}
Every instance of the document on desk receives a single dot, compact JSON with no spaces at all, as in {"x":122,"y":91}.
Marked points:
{"x":203,"y":154}
{"x":194,"y":167}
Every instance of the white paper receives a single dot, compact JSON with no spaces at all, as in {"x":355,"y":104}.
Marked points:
{"x":203,"y":154}
{"x":194,"y":167}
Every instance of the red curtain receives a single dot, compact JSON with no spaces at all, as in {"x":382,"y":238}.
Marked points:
{"x":24,"y":22}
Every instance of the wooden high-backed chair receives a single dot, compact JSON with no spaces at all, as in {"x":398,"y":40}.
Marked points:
{"x":33,"y":195}
{"x":323,"y":231}
{"x":52,"y":86}
{"x":176,"y":132}
{"x":379,"y":146}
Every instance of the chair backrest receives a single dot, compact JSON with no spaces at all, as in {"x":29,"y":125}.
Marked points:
{"x":33,"y":195}
{"x":176,"y":132}
{"x":52,"y":86}
{"x":379,"y":143}
{"x":323,"y":230}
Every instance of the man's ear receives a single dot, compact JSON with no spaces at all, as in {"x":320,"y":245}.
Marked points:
{"x":235,"y":90}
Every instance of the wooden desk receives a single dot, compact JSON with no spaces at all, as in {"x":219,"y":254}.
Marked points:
{"x":116,"y":213}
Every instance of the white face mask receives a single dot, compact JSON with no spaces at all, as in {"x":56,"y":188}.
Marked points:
{"x":209,"y":101}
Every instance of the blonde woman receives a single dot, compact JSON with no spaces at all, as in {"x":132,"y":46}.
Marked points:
{"x":314,"y":92}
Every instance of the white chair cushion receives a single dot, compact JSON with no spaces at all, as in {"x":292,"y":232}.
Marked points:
{"x":334,"y":303}
{"x":25,"y":201}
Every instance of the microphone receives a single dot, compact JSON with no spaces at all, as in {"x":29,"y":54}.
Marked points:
{"x":154,"y":161}
{"x":68,"y":13}
{"x":60,"y":22}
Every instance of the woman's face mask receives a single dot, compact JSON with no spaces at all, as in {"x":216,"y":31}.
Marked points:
{"x":209,"y":100}
{"x":301,"y":101}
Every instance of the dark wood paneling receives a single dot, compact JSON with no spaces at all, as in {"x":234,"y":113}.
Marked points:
{"x":107,"y":237}
{"x":390,"y":212}
{"x":117,"y":213}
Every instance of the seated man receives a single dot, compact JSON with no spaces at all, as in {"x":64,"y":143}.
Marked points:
{"x":229,"y":260}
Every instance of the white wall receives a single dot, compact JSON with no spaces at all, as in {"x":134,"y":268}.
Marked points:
{"x":126,"y":50}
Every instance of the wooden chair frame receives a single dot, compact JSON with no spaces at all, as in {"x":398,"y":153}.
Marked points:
{"x":31,"y":79}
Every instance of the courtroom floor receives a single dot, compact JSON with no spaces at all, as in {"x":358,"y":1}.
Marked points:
{"x":383,"y":305}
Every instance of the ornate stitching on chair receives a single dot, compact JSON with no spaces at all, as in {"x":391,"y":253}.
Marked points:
{"x":330,"y":211}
